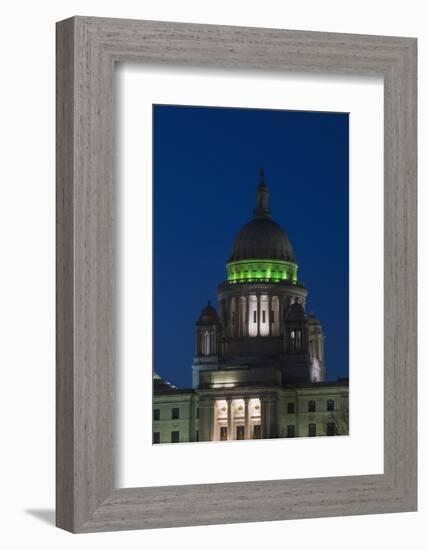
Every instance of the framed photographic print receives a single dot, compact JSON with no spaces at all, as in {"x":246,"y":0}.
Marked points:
{"x":236,"y":274}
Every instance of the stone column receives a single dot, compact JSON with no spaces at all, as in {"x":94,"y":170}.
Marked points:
{"x":247,"y":418}
{"x":263,"y":425}
{"x":268,"y":417}
{"x":207,"y":413}
{"x":238,"y":316}
{"x":230,"y":434}
{"x":281,"y":314}
{"x":273,"y":417}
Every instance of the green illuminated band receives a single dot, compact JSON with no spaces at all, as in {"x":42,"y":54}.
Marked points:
{"x":261,"y":270}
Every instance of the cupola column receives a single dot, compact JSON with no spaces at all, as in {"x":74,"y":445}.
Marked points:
{"x":247,"y":316}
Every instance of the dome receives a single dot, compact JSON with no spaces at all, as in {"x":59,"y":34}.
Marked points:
{"x":313,"y":320}
{"x":208,"y":315}
{"x":262,"y":238}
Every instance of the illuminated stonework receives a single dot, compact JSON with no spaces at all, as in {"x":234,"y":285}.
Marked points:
{"x":258,"y":368}
{"x":251,"y":271}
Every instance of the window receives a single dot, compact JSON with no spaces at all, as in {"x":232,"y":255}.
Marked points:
{"x":175,"y":437}
{"x":331,"y":428}
{"x":233,"y":317}
{"x":256,"y":431}
{"x":197,"y":412}
{"x":206,"y":343}
{"x":291,"y":430}
{"x":223,"y":433}
{"x":312,"y":406}
{"x":312,"y":430}
{"x":272,"y":316}
{"x":254,"y":316}
{"x":156,"y":437}
{"x":290,"y":408}
{"x":156,"y":414}
{"x":239,"y":432}
{"x":263,"y":316}
{"x":197,"y":435}
{"x":175,"y":413}
{"x":330,"y":405}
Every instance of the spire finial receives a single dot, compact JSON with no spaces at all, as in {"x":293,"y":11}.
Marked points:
{"x":262,"y":177}
{"x":262,"y":198}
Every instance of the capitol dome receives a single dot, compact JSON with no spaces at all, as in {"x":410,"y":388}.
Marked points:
{"x":261,"y":239}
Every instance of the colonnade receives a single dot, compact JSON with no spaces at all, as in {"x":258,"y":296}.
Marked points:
{"x":254,"y":314}
{"x":232,"y":419}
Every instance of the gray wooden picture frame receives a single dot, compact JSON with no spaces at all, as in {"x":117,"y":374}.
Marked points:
{"x":87,"y":51}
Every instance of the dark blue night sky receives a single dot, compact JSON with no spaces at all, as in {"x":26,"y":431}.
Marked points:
{"x":206,"y":165}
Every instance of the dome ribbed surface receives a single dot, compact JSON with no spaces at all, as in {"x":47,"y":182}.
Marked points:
{"x":208,"y":316}
{"x":261,"y":239}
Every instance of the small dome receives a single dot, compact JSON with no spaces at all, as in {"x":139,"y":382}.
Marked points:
{"x":208,"y":315}
{"x":296,"y":312}
{"x":313,"y":320}
{"x":260,"y":239}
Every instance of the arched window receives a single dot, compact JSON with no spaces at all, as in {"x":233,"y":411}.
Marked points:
{"x":292,"y":341}
{"x":298,"y":339}
{"x":206,"y":349}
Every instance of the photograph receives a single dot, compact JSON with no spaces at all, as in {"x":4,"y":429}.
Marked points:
{"x":251,"y":274}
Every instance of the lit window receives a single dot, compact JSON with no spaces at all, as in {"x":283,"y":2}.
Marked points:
{"x":311,"y":406}
{"x":175,"y":437}
{"x":330,"y":405}
{"x":156,"y":414}
{"x":312,"y":430}
{"x":156,"y":437}
{"x":206,"y":350}
{"x":175,"y":413}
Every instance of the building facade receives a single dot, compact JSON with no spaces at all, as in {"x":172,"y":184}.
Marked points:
{"x":258,"y":370}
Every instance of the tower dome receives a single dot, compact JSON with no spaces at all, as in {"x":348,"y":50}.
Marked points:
{"x":261,"y":249}
{"x":208,"y":315}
